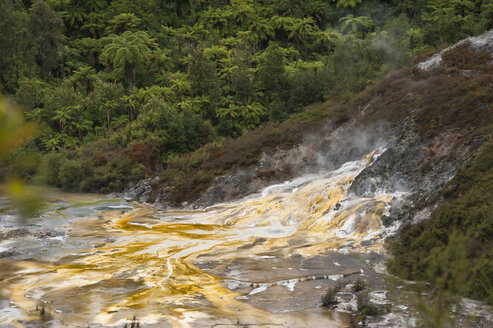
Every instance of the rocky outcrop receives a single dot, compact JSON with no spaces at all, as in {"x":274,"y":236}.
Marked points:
{"x":483,"y":42}
{"x":322,"y":151}
{"x":150,"y":191}
{"x":272,"y":167}
{"x":416,"y":164}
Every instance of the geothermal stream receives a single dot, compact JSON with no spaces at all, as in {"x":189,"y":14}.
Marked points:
{"x":264,"y":261}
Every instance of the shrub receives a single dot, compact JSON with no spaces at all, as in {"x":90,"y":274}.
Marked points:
{"x":453,"y":248}
{"x":49,"y":168}
{"x":329,"y":298}
{"x":168,"y":130}
{"x":371,"y":309}
{"x":365,"y":306}
{"x":23,"y":163}
{"x":463,"y":58}
{"x":95,"y":167}
{"x":71,"y":174}
{"x":107,"y":168}
{"x":359,"y":285}
{"x":362,"y":301}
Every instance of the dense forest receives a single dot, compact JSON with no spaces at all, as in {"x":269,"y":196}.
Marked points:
{"x":121,"y":88}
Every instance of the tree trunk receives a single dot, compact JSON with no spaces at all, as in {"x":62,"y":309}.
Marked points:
{"x":91,"y":59}
{"x":192,"y":9}
{"x":129,"y":71}
{"x":108,"y":117}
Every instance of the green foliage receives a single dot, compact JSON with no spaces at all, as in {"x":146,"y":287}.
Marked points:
{"x":99,"y":166}
{"x":271,"y":70}
{"x":45,"y":30}
{"x":16,"y":58}
{"x":362,"y":301}
{"x":123,"y":22}
{"x":451,"y":20}
{"x":179,"y":71}
{"x":22,"y":163}
{"x":347,"y":3}
{"x":126,"y":52}
{"x":354,"y":25}
{"x":204,"y":82}
{"x":14,"y":132}
{"x":453,"y":248}
{"x":167,"y":129}
{"x":329,"y":298}
{"x":359,"y":285}
{"x":435,"y":314}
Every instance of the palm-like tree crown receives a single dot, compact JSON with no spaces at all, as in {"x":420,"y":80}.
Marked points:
{"x":127,"y":51}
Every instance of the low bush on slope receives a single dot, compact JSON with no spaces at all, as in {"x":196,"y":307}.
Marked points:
{"x":454,"y":249}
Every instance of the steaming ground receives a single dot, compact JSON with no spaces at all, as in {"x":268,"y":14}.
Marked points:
{"x":265,"y":260}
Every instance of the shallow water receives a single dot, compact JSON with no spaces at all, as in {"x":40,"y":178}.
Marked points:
{"x":263,"y":261}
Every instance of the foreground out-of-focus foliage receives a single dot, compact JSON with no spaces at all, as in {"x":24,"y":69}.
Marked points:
{"x":14,"y":132}
{"x":124,"y":86}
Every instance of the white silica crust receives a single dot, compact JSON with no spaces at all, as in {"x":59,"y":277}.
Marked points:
{"x":483,"y":42}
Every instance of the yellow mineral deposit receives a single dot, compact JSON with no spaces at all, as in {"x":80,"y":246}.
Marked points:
{"x":148,"y":264}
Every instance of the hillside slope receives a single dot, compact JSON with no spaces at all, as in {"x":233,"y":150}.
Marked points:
{"x":124,"y":89}
{"x":436,"y":118}
{"x":436,"y":125}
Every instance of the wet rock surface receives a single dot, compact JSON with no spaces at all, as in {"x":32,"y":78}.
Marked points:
{"x":273,"y":167}
{"x":265,"y":261}
{"x":409,"y":169}
{"x":149,"y":191}
{"x":323,"y":151}
{"x":417,"y":167}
